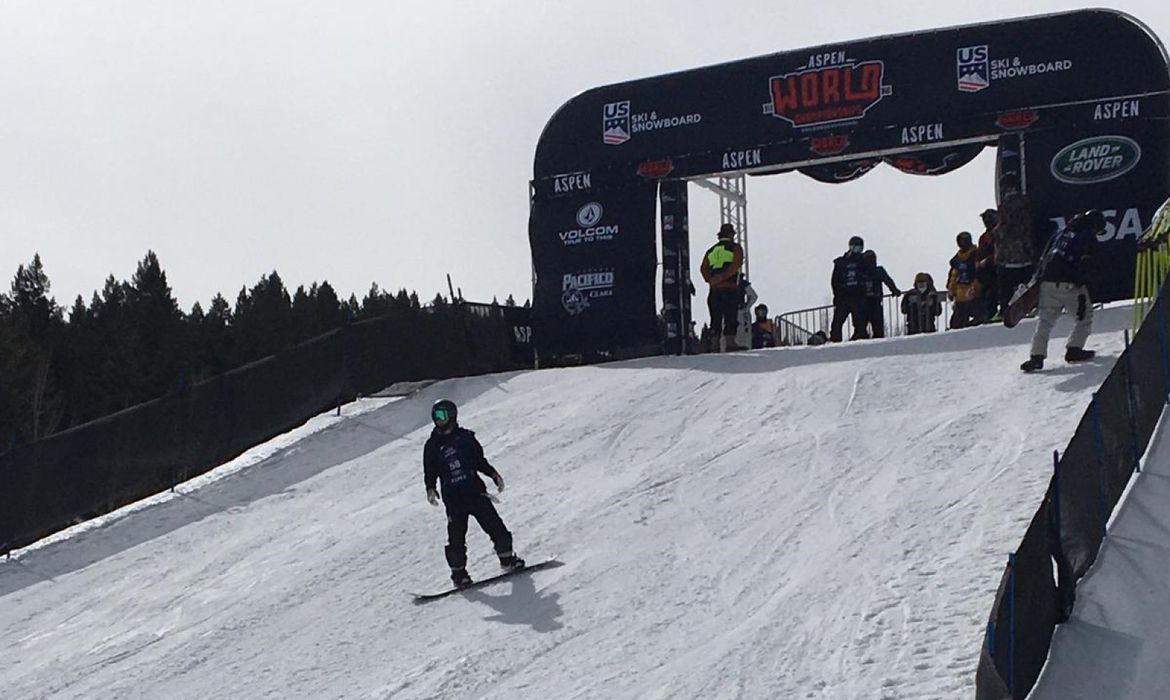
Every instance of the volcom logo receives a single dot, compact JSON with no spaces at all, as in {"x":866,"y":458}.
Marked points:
{"x":589,"y":230}
{"x":589,"y":214}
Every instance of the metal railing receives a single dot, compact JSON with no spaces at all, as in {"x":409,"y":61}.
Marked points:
{"x":796,"y":327}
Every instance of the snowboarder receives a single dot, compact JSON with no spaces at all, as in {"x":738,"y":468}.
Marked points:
{"x":452,"y":457}
{"x":1062,"y":278}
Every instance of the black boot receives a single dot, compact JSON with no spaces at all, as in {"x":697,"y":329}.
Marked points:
{"x":1078,"y":355}
{"x":460,"y":578}
{"x":1033,"y":364}
{"x":511,"y":562}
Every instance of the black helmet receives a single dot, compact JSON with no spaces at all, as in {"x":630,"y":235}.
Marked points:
{"x":762,"y":310}
{"x":1090,"y":221}
{"x":856,"y":240}
{"x":963,"y":235}
{"x":444,"y":412}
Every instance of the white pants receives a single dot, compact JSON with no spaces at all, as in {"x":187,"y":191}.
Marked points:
{"x":1055,"y":297}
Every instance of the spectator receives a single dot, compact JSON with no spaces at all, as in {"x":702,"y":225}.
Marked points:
{"x":848,"y":284}
{"x":921,"y":306}
{"x":1015,"y":247}
{"x":985,"y":263}
{"x":720,"y":268}
{"x":963,"y":286}
{"x":1063,"y":286}
{"x":763,"y":329}
{"x":747,"y":297}
{"x":875,"y":277}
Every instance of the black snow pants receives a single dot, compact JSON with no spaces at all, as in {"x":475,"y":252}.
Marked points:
{"x":854,"y":308}
{"x":723,"y":306}
{"x":479,"y":506}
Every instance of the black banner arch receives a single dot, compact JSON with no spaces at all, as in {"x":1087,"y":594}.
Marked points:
{"x":1087,"y":122}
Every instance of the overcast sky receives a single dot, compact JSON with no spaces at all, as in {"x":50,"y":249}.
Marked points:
{"x":392,"y":142}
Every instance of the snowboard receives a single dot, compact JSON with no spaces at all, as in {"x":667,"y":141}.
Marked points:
{"x":549,"y":563}
{"x":1023,"y":302}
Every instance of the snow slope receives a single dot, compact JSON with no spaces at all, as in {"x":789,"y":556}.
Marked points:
{"x":793,"y":523}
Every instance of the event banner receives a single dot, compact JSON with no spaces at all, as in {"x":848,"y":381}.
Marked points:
{"x":924,"y":90}
{"x":593,"y":249}
{"x":1109,"y":161}
{"x":676,"y":265}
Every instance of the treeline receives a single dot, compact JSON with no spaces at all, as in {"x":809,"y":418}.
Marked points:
{"x":132,"y":343}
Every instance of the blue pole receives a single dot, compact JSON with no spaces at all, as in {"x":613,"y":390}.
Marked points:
{"x":1011,"y":679}
{"x":1132,"y":406}
{"x":1056,"y":488}
{"x":1099,"y":449}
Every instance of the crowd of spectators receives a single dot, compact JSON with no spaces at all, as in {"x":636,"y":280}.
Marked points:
{"x":981,"y":278}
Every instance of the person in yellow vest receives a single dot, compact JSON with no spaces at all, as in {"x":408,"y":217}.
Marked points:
{"x":720,"y":268}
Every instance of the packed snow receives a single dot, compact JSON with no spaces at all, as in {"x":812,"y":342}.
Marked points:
{"x":823,"y":522}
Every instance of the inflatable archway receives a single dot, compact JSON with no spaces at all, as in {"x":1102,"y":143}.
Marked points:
{"x":1076,"y":103}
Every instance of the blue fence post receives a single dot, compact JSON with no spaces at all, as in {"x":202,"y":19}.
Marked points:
{"x":1011,"y":651}
{"x":1056,"y":488}
{"x":1099,"y":450}
{"x":1130,"y":402}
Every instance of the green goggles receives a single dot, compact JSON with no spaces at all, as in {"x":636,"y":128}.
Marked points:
{"x":441,"y":415}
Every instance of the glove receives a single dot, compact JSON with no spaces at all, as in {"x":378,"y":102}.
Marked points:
{"x":499,"y":482}
{"x":433,"y":497}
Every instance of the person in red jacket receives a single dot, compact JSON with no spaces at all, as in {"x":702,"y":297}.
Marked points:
{"x":985,"y":262}
{"x":454,"y":459}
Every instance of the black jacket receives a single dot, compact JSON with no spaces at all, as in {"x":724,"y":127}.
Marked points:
{"x":455,"y":460}
{"x":874,"y":279}
{"x":849,"y":275}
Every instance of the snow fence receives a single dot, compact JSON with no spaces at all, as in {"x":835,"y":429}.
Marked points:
{"x":1069,"y":526}
{"x":77,"y":474}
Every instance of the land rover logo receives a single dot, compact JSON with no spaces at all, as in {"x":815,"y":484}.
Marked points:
{"x":1096,"y":159}
{"x":589,"y":214}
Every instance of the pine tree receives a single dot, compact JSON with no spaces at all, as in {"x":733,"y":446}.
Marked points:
{"x":159,"y":354}
{"x":35,"y":330}
{"x":263,"y":318}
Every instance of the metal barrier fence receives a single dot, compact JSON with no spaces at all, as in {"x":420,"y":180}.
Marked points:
{"x":796,"y":327}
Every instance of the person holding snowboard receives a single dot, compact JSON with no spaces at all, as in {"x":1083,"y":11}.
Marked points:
{"x":1062,"y":278}
{"x":454,"y":458}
